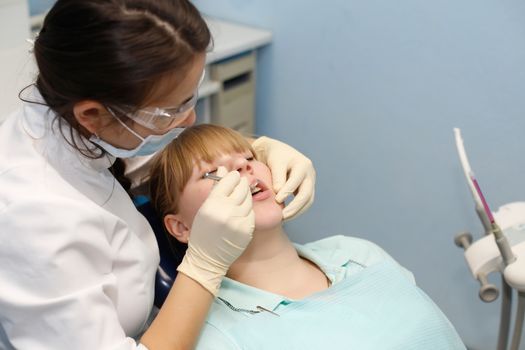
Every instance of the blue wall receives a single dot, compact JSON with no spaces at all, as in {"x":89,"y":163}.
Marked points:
{"x":37,"y":7}
{"x":371,"y":90}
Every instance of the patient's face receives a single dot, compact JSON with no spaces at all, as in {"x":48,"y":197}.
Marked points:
{"x":268,"y":213}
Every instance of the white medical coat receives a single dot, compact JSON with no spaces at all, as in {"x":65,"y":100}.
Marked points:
{"x":77,"y":260}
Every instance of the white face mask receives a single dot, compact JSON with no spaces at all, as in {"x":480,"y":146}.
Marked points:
{"x":148,"y":145}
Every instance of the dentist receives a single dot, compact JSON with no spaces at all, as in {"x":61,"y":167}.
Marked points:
{"x":117,"y":79}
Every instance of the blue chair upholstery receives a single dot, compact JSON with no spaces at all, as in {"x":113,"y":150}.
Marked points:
{"x":170,"y":255}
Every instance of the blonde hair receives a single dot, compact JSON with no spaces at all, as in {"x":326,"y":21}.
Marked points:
{"x":173,"y":167}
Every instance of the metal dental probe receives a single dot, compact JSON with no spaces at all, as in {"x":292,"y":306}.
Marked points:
{"x":218,"y":178}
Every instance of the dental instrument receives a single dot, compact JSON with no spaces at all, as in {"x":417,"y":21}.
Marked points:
{"x":502,"y":249}
{"x":210,"y":176}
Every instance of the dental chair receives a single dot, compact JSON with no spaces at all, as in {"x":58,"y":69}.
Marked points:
{"x":170,"y":254}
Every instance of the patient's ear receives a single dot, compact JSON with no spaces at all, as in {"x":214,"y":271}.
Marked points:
{"x":176,"y":227}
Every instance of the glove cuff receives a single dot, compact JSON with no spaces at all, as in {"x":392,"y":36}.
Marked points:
{"x":207,"y":277}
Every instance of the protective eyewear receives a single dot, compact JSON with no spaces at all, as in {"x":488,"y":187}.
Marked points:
{"x":159,"y":119}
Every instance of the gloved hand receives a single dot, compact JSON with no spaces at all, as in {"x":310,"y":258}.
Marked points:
{"x":221,"y":230}
{"x":284,"y":161}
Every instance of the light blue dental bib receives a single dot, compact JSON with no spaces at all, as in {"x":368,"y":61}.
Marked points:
{"x":375,"y":309}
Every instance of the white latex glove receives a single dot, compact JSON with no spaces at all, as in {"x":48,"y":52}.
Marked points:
{"x":221,"y":230}
{"x":292,"y":173}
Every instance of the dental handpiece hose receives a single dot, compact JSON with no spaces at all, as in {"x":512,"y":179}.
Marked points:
{"x":503,"y":245}
{"x":501,"y":240}
{"x":480,"y":210}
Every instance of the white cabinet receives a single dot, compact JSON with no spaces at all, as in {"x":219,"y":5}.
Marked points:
{"x":232,"y":71}
{"x":234,"y":104}
{"x":17,"y":67}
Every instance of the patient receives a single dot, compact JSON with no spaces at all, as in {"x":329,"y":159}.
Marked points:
{"x":336,"y":293}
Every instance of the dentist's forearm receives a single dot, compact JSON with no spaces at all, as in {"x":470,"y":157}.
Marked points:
{"x":179,"y":322}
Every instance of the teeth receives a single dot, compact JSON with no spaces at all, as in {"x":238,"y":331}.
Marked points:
{"x":255,"y":189}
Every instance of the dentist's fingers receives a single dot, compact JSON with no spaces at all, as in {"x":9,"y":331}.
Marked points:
{"x":289,"y":168}
{"x":221,"y":171}
{"x":246,"y":207}
{"x":226,"y":185}
{"x":296,"y":177}
{"x":240,"y":191}
{"x":279,"y":172}
{"x":301,"y":202}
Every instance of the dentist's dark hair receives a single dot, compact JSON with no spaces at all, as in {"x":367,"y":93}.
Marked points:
{"x":113,"y":52}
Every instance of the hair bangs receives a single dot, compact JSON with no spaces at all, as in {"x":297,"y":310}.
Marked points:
{"x":205,"y":143}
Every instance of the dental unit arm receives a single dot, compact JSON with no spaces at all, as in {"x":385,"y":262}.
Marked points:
{"x":501,"y":249}
{"x":480,"y":210}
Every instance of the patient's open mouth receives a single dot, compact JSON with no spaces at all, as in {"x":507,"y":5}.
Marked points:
{"x":257,"y":187}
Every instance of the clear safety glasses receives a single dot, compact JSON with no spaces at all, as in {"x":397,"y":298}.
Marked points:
{"x":160,"y":119}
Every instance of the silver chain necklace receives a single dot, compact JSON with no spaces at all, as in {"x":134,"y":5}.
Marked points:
{"x":236,"y":309}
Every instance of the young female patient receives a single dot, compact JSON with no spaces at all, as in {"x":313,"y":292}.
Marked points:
{"x":336,"y":293}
